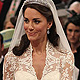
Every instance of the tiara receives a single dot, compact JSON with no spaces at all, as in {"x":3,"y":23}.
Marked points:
{"x":41,"y":2}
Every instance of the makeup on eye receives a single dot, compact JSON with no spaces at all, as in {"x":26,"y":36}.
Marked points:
{"x":35,"y":20}
{"x":26,"y":20}
{"x":70,"y":30}
{"x":77,"y":30}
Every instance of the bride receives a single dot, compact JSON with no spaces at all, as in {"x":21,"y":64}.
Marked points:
{"x":39,"y":49}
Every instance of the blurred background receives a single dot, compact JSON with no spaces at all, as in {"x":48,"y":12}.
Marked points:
{"x":10,"y":8}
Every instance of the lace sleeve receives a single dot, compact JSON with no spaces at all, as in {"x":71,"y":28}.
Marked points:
{"x":8,"y":68}
{"x":67,"y":67}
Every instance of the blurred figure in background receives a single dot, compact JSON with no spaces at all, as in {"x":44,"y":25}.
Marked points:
{"x":12,"y":6}
{"x":10,"y":23}
{"x":7,"y":36}
{"x":72,"y":31}
{"x":62,"y":12}
{"x":74,"y":8}
{"x":7,"y":32}
{"x":1,"y":56}
{"x":72,"y":1}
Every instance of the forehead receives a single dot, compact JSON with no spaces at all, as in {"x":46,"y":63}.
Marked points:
{"x":32,"y":13}
{"x":72,"y":26}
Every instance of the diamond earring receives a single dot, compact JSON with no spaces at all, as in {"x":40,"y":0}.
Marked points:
{"x":48,"y":31}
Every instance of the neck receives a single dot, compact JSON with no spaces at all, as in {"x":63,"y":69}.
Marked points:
{"x":74,"y":47}
{"x":39,"y":47}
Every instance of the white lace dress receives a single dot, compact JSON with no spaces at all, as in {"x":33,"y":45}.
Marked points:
{"x":58,"y":65}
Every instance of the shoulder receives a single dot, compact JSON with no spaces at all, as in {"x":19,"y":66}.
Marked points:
{"x":65,"y":53}
{"x":59,"y":51}
{"x":66,"y":56}
{"x":9,"y":54}
{"x":10,"y":57}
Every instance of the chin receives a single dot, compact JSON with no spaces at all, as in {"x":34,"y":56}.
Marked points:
{"x":73,"y":42}
{"x":32,"y":39}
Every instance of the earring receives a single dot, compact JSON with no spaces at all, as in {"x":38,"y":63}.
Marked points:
{"x":48,"y":31}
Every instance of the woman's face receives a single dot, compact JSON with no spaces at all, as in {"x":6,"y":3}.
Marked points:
{"x":9,"y":25}
{"x":35,"y":25}
{"x":73,"y":33}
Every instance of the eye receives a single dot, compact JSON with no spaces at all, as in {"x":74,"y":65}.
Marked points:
{"x":77,"y":31}
{"x":70,"y":30}
{"x":36,"y":21}
{"x":26,"y":20}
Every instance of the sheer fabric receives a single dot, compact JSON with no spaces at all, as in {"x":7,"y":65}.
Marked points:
{"x":56,"y":65}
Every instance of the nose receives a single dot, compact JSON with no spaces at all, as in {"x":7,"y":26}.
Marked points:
{"x":31,"y":26}
{"x":73,"y":33}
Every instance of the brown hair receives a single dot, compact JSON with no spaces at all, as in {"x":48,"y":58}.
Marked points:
{"x":52,"y":36}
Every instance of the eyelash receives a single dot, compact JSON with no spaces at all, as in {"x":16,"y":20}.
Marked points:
{"x":70,"y":30}
{"x":26,"y":21}
{"x":35,"y":21}
{"x":75,"y":30}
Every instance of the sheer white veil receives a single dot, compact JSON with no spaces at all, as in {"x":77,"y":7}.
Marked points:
{"x":19,"y":29}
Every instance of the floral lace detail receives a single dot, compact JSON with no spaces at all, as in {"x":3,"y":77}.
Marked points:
{"x":55,"y":61}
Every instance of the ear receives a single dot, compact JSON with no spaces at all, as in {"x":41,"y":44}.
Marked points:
{"x":50,"y":24}
{"x":2,"y":47}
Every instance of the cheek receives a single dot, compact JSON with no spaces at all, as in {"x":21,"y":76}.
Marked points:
{"x":68,"y":33}
{"x":25,"y":27}
{"x":78,"y":35}
{"x":41,"y":29}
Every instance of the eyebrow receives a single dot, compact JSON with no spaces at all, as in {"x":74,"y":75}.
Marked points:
{"x":25,"y":17}
{"x":33,"y":19}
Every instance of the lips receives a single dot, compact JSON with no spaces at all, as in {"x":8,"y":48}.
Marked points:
{"x":73,"y":38}
{"x":31,"y":33}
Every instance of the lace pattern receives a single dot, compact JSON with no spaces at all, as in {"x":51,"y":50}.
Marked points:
{"x":56,"y":60}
